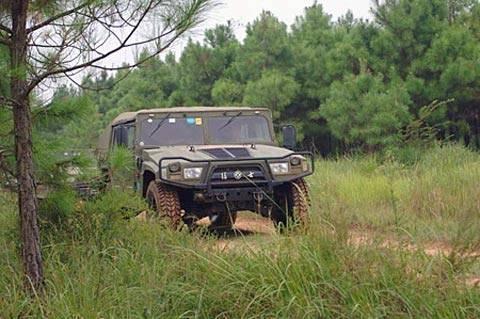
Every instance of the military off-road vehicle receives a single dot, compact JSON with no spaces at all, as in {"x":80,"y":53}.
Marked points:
{"x":196,"y":162}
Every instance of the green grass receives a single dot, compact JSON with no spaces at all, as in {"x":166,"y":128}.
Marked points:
{"x":438,"y":198}
{"x":100,"y":267}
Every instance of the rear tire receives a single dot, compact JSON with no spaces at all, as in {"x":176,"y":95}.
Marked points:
{"x":166,"y":203}
{"x":294,"y":201}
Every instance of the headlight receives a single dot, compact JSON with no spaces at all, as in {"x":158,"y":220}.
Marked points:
{"x":279,"y":168}
{"x":192,"y":172}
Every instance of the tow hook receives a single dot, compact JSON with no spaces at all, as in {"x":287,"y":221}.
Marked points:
{"x":258,"y":197}
{"x":221,"y":197}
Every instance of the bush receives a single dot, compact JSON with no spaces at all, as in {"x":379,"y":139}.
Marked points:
{"x":122,"y":167}
{"x":64,"y":216}
{"x":57,"y":208}
{"x":98,"y":220}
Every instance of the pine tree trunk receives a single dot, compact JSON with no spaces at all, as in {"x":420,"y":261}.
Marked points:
{"x":27,"y":202}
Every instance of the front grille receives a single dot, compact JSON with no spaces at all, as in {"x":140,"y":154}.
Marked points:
{"x":238,"y":175}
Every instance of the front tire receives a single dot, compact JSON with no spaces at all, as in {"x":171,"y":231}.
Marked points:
{"x":166,"y":203}
{"x":293,"y":202}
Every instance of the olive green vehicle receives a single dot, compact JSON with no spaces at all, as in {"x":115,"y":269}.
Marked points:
{"x":196,"y":162}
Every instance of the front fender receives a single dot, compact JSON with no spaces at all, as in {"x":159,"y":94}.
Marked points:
{"x":150,"y":167}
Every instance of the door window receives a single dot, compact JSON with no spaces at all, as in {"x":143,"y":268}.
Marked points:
{"x":124,"y":135}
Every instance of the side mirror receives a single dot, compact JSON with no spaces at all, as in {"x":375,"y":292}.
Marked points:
{"x":289,"y":133}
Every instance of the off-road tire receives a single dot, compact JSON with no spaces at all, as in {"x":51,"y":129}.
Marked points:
{"x":294,"y":201}
{"x":165,"y":201}
{"x":224,"y":221}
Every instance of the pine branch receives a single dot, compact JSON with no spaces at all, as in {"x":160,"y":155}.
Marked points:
{"x":5,"y":29}
{"x":50,"y":20}
{"x":55,"y":65}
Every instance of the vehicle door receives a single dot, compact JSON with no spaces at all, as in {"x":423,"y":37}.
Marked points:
{"x":121,"y":158}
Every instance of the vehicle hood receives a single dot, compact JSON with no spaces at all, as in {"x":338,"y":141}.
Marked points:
{"x":214,"y":152}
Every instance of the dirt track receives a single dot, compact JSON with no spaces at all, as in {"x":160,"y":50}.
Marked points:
{"x":251,"y":224}
{"x":251,"y":231}
{"x":254,"y":224}
{"x":249,"y":234}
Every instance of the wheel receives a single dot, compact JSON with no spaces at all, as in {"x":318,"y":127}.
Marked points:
{"x":164,"y":200}
{"x":293,"y":202}
{"x":223,"y":221}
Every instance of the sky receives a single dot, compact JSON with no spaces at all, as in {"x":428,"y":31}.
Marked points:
{"x":241,"y":12}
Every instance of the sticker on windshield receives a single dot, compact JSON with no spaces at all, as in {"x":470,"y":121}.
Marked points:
{"x":190,"y":120}
{"x":171,"y":120}
{"x":198,"y":121}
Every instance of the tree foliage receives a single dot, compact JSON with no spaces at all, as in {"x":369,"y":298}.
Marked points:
{"x":362,"y":110}
{"x":273,"y":90}
{"x":349,"y":83}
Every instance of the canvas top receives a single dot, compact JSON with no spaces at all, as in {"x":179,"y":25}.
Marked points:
{"x":130,"y":116}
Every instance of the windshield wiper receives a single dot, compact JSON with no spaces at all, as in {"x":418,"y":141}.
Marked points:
{"x":230,"y":120}
{"x":160,"y":124}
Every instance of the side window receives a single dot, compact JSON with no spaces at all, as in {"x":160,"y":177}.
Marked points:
{"x":124,"y":135}
{"x":130,"y":136}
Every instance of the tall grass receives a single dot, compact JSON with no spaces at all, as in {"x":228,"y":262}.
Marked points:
{"x":437,"y":198}
{"x":127,"y":269}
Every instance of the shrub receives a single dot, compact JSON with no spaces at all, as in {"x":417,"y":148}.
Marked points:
{"x":64,"y":216}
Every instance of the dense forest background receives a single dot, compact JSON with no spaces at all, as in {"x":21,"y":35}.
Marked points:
{"x":411,"y":74}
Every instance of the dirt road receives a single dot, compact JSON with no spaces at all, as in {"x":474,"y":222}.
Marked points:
{"x":252,"y":232}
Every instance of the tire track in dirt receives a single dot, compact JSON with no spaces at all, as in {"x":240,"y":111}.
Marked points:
{"x":248,"y":234}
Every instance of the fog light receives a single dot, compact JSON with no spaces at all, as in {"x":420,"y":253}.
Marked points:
{"x":295,"y":161}
{"x":174,"y":167}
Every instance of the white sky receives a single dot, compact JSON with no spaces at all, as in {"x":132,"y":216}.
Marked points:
{"x":242,"y":12}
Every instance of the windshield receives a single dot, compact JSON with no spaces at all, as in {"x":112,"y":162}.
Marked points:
{"x":238,"y":129}
{"x":172,"y":131}
{"x":235,"y":129}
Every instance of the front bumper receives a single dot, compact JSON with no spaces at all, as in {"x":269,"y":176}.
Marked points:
{"x":238,"y":173}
